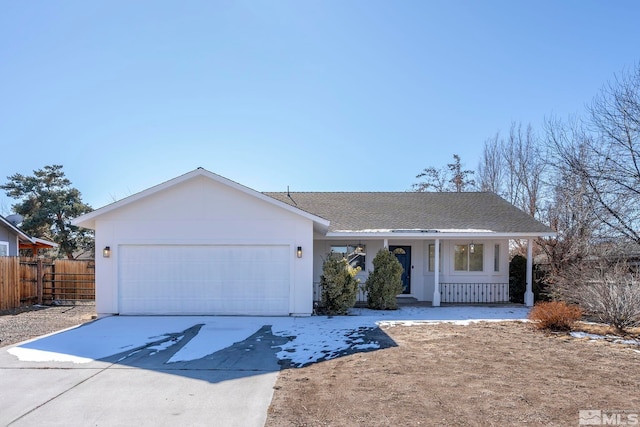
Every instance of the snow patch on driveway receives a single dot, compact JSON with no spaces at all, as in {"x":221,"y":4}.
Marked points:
{"x":213,"y":337}
{"x":311,"y":339}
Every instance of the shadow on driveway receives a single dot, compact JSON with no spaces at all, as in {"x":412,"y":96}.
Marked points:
{"x":255,"y":355}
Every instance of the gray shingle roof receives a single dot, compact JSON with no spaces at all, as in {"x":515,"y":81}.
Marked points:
{"x":412,"y":210}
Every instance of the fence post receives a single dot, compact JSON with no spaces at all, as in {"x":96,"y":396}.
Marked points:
{"x":39,"y":274}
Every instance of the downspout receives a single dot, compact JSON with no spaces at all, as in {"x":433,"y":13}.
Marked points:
{"x":528,"y":294}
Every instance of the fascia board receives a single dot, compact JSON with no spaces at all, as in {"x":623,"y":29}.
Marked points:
{"x":438,"y":235}
{"x":88,"y":220}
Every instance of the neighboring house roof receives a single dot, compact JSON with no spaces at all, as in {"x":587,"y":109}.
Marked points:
{"x":416,"y":212}
{"x":25,"y":241}
{"x":36,"y":244}
{"x":88,"y":220}
{"x":22,"y":236}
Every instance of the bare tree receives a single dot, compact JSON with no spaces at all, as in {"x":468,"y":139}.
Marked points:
{"x":491,"y":167}
{"x":515,"y":168}
{"x":526,"y":166}
{"x":570,"y":211}
{"x":460,"y":178}
{"x":452,"y":178}
{"x":615,"y":172}
{"x":583,"y":179}
{"x":608,"y":160}
{"x":596,"y":210}
{"x":433,"y":179}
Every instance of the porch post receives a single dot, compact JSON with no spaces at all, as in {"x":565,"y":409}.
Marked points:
{"x":385,"y":243}
{"x":39,"y":274}
{"x":436,"y":276}
{"x":528,"y":294}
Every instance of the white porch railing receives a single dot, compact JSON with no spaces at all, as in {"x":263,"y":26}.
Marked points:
{"x":474,"y":292}
{"x":467,"y":293}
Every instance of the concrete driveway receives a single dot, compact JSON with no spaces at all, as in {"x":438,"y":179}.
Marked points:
{"x":232,"y":386}
{"x":183,"y":370}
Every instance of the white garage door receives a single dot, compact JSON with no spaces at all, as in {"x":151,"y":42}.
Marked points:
{"x":204,"y":279}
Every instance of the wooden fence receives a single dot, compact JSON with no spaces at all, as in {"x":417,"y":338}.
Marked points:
{"x":26,"y":281}
{"x":9,"y":283}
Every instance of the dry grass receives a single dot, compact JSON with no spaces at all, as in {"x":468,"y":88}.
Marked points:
{"x":555,"y":315}
{"x":483,"y":374}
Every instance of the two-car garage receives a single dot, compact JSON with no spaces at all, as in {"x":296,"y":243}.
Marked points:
{"x":201,"y":244}
{"x":204,"y":279}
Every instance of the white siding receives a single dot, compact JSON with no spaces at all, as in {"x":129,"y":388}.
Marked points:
{"x":202,"y":212}
{"x":422,"y":280}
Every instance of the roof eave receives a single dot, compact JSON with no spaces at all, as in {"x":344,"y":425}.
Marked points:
{"x":44,"y":242}
{"x":38,"y":244}
{"x":21,"y":234}
{"x":438,"y":235}
{"x":88,"y":220}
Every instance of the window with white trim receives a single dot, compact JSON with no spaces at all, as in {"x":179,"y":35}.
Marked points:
{"x":496,"y":258}
{"x":4,"y":248}
{"x":468,"y":257}
{"x":355,"y":254}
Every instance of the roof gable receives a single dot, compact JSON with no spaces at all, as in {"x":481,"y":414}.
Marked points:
{"x":88,"y":220}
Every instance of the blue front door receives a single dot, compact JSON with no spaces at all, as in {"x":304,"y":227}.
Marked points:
{"x":403,"y":253}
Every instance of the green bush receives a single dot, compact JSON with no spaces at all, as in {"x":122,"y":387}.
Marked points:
{"x":518,"y":281}
{"x":338,"y":284}
{"x":384,"y":282}
{"x":517,"y":278}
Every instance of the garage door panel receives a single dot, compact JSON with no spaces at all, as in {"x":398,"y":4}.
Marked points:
{"x":204,"y":279}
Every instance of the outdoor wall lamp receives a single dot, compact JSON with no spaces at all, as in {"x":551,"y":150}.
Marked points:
{"x":299,"y":252}
{"x":472,"y":248}
{"x":106,"y":252}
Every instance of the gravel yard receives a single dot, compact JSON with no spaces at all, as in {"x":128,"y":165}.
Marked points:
{"x":29,"y":322}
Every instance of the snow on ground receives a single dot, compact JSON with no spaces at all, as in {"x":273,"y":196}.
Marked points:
{"x":214,"y":336}
{"x":320,"y":337}
{"x":579,"y":334}
{"x":613,"y":338}
{"x":311,"y":338}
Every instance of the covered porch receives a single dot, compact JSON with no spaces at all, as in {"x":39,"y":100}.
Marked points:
{"x":473,"y":266}
{"x":454,"y":247}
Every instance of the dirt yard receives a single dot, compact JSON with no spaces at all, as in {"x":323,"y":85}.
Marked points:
{"x":30,"y":322}
{"x":484,"y":374}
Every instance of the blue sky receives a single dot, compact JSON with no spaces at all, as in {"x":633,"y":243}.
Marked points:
{"x":348,"y":95}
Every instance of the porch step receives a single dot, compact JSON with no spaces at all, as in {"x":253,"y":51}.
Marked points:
{"x":401,"y":301}
{"x":406,"y":300}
